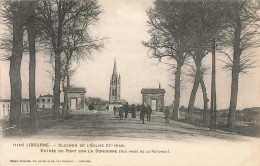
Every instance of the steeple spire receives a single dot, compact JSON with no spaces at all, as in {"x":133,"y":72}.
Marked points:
{"x":114,"y":69}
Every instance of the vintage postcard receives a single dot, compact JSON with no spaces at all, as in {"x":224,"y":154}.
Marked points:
{"x":120,"y":82}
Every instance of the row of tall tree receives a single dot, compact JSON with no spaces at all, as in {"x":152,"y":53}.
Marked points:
{"x":62,"y":28}
{"x":182,"y":32}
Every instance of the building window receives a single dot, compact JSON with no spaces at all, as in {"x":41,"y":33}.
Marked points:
{"x":52,"y":100}
{"x":3,"y":105}
{"x":49,"y":100}
{"x":43,"y":106}
{"x":113,"y":92}
{"x":43,"y":100}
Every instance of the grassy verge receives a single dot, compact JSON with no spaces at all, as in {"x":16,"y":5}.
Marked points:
{"x":45,"y":120}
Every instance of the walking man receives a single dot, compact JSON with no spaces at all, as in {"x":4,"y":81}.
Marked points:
{"x":126,"y":110}
{"x":133,"y":111}
{"x":114,"y":109}
{"x":138,"y":107}
{"x":121,"y":113}
{"x":142,"y":113}
{"x":167,"y":114}
{"x":149,"y":112}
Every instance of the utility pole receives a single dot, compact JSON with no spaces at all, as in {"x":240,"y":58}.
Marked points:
{"x":213,"y":107}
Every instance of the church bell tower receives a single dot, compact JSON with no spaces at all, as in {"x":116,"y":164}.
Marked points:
{"x":114,"y":92}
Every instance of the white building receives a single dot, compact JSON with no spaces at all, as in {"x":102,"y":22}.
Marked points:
{"x":4,"y":108}
{"x":25,"y":107}
{"x":45,"y":101}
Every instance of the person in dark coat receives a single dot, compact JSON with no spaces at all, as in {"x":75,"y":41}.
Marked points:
{"x":167,"y":114}
{"x":114,"y":109}
{"x":121,"y":113}
{"x":107,"y":108}
{"x":133,"y":111}
{"x":126,"y":110}
{"x":138,"y":107}
{"x":149,"y":112}
{"x":142,"y":113}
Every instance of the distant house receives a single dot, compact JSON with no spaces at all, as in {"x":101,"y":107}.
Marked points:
{"x":25,"y":106}
{"x":251,"y":114}
{"x":46,"y":101}
{"x":4,"y":108}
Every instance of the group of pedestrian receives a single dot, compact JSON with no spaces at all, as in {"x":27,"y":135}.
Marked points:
{"x":145,"y":110}
{"x":124,"y":110}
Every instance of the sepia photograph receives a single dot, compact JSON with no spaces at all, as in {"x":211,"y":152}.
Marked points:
{"x":130,"y":82}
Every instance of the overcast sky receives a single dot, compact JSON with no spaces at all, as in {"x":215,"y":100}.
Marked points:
{"x":124,"y":23}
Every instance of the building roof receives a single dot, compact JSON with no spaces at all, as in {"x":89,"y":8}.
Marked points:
{"x":152,"y":91}
{"x":48,"y":95}
{"x":8,"y":100}
{"x":77,"y":90}
{"x":4,"y":100}
{"x":25,"y":100}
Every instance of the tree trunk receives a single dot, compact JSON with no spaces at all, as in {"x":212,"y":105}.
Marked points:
{"x":177,"y":95}
{"x":66,"y":110}
{"x":195,"y":85}
{"x":235,"y":72}
{"x":64,"y":98}
{"x":32,"y":66}
{"x":65,"y":91}
{"x":67,"y":88}
{"x":193,"y":94}
{"x":58,"y":51}
{"x":15,"y":65}
{"x":57,"y":86}
{"x":197,"y":59}
{"x":205,"y":99}
{"x":233,"y":101}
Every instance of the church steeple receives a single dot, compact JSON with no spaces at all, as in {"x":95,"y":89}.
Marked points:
{"x":114,"y":92}
{"x":114,"y":69}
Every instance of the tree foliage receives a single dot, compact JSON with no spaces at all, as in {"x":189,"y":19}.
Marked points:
{"x":244,"y":35}
{"x":169,"y":31}
{"x":60,"y":22}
